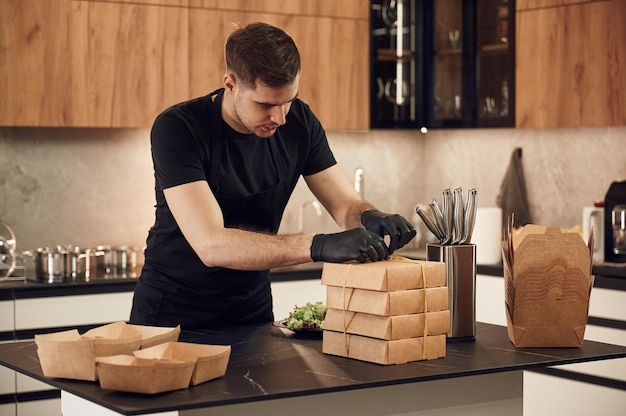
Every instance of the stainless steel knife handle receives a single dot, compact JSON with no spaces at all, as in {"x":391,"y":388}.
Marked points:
{"x":430,"y":223}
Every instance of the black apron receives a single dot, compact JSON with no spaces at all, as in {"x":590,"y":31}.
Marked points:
{"x":231,"y":296}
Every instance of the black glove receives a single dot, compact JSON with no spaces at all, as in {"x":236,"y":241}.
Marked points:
{"x":357,"y":244}
{"x":399,"y":230}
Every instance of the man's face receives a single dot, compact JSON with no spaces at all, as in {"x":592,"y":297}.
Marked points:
{"x":262,"y":110}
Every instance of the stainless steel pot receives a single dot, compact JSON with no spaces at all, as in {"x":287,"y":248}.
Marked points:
{"x":125,"y":261}
{"x":70,"y":263}
{"x":59,"y":264}
{"x":50,"y":264}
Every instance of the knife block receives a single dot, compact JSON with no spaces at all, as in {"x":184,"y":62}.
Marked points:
{"x":460,"y":261}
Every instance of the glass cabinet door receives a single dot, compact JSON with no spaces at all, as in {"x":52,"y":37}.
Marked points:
{"x":448,"y":94}
{"x":442,"y":63}
{"x":495,"y":70}
{"x":393,"y":69}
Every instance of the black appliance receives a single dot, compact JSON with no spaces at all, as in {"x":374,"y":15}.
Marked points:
{"x":616,"y":195}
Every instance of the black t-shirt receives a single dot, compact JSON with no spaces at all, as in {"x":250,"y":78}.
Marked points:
{"x":252,"y":179}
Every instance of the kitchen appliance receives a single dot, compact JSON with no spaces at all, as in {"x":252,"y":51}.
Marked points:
{"x":614,"y":223}
{"x":619,"y":229}
{"x":593,"y":219}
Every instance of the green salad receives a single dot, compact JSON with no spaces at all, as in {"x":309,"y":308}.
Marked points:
{"x":307,"y":317}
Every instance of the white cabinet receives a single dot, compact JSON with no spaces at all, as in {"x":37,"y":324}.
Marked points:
{"x":7,"y":381}
{"x":490,"y":300}
{"x":8,"y":409}
{"x":62,"y":311}
{"x":550,"y":395}
{"x":51,"y":407}
{"x":7,"y":315}
{"x":52,"y":312}
{"x":298,"y":292}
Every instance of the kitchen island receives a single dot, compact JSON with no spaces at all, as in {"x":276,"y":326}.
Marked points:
{"x":26,"y":310}
{"x":275,"y":371}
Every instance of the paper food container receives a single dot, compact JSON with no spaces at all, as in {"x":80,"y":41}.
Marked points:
{"x":68,"y":354}
{"x":385,"y":275}
{"x":142,"y":375}
{"x":149,"y":335}
{"x":387,"y":327}
{"x":387,"y":312}
{"x":548,"y":281}
{"x":398,"y":302}
{"x":153,"y":335}
{"x":210,"y":361}
{"x":379,"y":351}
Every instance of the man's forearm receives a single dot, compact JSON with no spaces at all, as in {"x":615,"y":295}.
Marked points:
{"x":353,"y":214}
{"x":247,"y":250}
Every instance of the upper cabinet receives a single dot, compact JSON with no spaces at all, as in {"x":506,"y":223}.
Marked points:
{"x":442,"y":63}
{"x":570,"y":63}
{"x":90,"y":64}
{"x":118,"y":63}
{"x":334,"y":65}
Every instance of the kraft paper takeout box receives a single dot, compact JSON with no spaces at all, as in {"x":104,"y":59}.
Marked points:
{"x":210,"y":360}
{"x":385,"y":276}
{"x":387,"y":327}
{"x":165,"y":367}
{"x":397,"y":302}
{"x":370,"y":307}
{"x":68,"y":354}
{"x":143,"y":375}
{"x":381,"y":351}
{"x":547,"y":287}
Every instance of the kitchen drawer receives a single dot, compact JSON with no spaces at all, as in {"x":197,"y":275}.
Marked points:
{"x":62,"y":311}
{"x":7,"y":381}
{"x":7,"y":315}
{"x":50,"y":407}
{"x":7,"y":409}
{"x":25,"y":384}
{"x":607,"y":303}
{"x":549,"y":395}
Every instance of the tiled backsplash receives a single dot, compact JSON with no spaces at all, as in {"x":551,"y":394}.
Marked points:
{"x":95,"y":186}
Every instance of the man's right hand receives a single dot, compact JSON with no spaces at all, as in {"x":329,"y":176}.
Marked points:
{"x":357,"y":244}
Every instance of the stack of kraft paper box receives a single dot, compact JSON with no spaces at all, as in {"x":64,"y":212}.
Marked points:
{"x":387,"y":312}
{"x":548,"y":282}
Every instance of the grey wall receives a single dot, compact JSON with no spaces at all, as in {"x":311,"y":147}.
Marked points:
{"x":94,"y":186}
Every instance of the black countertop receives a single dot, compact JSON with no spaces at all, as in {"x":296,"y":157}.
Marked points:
{"x":271,"y":363}
{"x":26,"y":289}
{"x":608,"y":276}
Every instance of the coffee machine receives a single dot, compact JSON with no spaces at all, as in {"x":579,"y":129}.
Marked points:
{"x":615,"y":223}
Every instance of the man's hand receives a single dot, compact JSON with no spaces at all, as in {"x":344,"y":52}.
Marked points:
{"x":356,"y":244}
{"x":399,"y":230}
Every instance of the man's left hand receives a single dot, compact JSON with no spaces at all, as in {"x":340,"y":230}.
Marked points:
{"x":399,"y":230}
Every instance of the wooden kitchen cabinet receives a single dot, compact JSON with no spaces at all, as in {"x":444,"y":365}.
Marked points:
{"x":81,"y":63}
{"x":90,"y":64}
{"x":536,"y":4}
{"x":334,"y":67}
{"x":570,"y":68}
{"x":354,"y":9}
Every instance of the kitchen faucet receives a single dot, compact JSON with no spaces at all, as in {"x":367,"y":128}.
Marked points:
{"x":318,"y":211}
{"x":359,"y":181}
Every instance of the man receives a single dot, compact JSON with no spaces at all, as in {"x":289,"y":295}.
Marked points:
{"x":225,"y":167}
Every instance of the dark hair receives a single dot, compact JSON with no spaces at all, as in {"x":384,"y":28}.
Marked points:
{"x":262,"y":52}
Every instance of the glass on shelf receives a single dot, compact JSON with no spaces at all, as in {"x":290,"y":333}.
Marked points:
{"x":447,"y":60}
